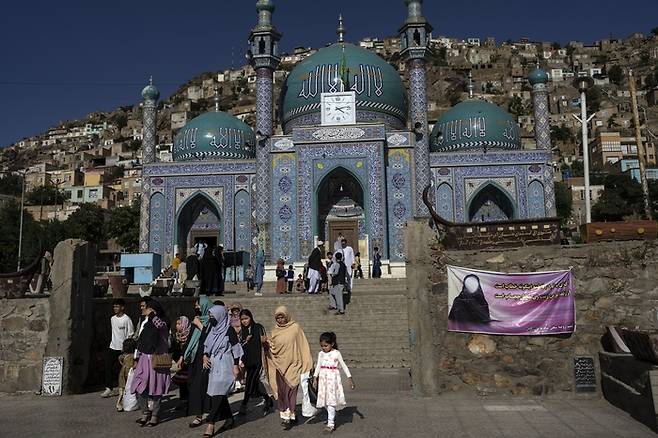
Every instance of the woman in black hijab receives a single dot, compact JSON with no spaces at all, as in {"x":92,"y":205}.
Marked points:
{"x":470,"y":305}
{"x":252,"y":336}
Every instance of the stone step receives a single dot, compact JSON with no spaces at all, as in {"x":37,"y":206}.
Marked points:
{"x":358,"y":331}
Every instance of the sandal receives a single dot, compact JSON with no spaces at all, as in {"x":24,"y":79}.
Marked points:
{"x":196,"y":422}
{"x":209,"y":434}
{"x":144,"y":419}
{"x":152,"y":422}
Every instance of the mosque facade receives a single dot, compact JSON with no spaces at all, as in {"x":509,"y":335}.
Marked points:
{"x":354,"y":157}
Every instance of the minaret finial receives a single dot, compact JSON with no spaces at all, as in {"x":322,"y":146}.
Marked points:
{"x":341,"y":29}
{"x":216,"y":98}
{"x":471,"y":85}
{"x":151,"y":80}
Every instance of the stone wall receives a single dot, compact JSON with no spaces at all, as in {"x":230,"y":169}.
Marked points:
{"x":23,"y":338}
{"x":616,"y":283}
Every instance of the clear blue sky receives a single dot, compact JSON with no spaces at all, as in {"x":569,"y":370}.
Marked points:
{"x":62,"y":59}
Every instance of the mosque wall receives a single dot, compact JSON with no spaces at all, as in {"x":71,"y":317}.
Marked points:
{"x":399,"y":199}
{"x":616,"y":284}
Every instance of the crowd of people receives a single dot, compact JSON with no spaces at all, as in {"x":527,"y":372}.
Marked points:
{"x":208,"y":358}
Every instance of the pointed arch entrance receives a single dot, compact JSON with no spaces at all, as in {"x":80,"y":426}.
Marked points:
{"x":491,"y":204}
{"x":340,"y":208}
{"x":199,"y":219}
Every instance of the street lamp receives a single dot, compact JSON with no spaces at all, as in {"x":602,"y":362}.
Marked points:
{"x":20,"y":228}
{"x":582,"y":84}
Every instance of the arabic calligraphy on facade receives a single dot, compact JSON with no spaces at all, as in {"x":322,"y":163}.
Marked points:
{"x":368,"y":81}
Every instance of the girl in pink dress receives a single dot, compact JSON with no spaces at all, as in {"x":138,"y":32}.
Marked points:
{"x":327,"y":378}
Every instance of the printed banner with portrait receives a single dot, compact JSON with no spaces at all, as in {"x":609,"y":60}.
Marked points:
{"x":537,"y":303}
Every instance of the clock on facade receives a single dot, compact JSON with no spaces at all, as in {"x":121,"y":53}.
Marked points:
{"x":338,"y":108}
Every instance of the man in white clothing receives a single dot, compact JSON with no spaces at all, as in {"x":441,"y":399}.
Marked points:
{"x":348,"y":259}
{"x":122,"y":329}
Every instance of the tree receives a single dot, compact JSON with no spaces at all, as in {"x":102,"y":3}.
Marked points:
{"x":653,"y":198}
{"x":563,"y":201}
{"x":654,"y":31}
{"x":561,"y":133}
{"x":556,"y":46}
{"x":616,"y":74}
{"x":516,"y":106}
{"x":11,"y":185}
{"x":45,"y":195}
{"x":123,"y":225}
{"x":577,"y":168}
{"x":594,"y":99}
{"x":621,"y":197}
{"x":87,"y":223}
{"x":10,"y":215}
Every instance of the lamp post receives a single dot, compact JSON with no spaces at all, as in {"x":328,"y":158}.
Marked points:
{"x":582,"y":85}
{"x":20,"y":227}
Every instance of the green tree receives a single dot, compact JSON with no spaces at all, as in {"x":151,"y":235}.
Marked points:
{"x":653,"y":198}
{"x":563,"y":201}
{"x":616,"y":74}
{"x":87,"y":223}
{"x":11,"y":185}
{"x":621,"y":197}
{"x":654,"y":31}
{"x":516,"y":106}
{"x":556,"y":46}
{"x":123,"y":225}
{"x":577,"y":168}
{"x":10,"y":214}
{"x":561,"y":133}
{"x":594,"y":97}
{"x":45,"y":195}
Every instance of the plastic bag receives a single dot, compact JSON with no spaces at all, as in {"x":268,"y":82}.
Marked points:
{"x":129,"y":397}
{"x":308,"y":409}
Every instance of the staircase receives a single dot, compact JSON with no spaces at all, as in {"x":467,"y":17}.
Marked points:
{"x":374,"y":332}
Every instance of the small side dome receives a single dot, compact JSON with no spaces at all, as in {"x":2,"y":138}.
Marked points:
{"x":150,"y":92}
{"x":474,"y":125}
{"x":538,"y":76}
{"x":214,"y":136}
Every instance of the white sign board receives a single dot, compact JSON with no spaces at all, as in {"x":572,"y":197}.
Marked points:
{"x":52,"y":376}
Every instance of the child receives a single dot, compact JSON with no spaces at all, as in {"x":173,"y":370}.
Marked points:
{"x":358,"y":272}
{"x":280,"y":277}
{"x":127,"y":361}
{"x":327,"y":378}
{"x":290,"y":276}
{"x":299,"y":284}
{"x":250,"y":278}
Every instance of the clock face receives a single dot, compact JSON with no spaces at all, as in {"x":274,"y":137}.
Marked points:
{"x":339,"y":108}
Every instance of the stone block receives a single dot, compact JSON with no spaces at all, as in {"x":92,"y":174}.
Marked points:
{"x":38,"y":325}
{"x":481,"y":345}
{"x":13,"y":324}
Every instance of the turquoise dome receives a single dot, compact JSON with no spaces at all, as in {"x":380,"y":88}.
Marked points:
{"x":214,"y":136}
{"x":378,"y":87}
{"x":538,"y":76}
{"x":475,"y":124}
{"x":150,"y":92}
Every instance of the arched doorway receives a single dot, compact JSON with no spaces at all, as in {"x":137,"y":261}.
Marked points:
{"x":340,"y":208}
{"x":490,"y":204}
{"x":198,"y":220}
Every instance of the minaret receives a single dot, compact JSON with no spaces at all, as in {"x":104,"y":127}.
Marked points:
{"x":538,"y":79}
{"x":264,"y":57}
{"x":415,"y":35}
{"x":150,"y":94}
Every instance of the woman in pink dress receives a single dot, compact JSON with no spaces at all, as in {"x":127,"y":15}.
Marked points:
{"x":151,"y":384}
{"x":327,"y":378}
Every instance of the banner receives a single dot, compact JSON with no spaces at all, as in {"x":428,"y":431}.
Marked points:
{"x":538,"y":303}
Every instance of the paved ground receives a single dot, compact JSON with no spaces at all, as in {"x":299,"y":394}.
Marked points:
{"x":370,"y":413}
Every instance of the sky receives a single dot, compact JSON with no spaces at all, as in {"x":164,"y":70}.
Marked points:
{"x":60,"y":60}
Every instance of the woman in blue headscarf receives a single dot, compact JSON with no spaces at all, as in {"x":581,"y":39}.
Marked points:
{"x":197,"y":381}
{"x":260,"y":271}
{"x":221,"y":355}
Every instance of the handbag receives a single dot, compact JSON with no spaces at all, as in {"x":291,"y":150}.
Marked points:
{"x":312,"y":391}
{"x":161,"y":362}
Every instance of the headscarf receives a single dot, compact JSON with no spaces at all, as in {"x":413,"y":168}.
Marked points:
{"x":149,"y":340}
{"x":470,"y":305}
{"x":190,"y":352}
{"x":183,"y":333}
{"x":217,"y":339}
{"x":250,"y":340}
{"x":235,"y":320}
{"x":289,"y":352}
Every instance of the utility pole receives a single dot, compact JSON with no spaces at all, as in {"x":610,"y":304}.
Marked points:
{"x":20,"y":228}
{"x":640,"y":146}
{"x":582,"y":85}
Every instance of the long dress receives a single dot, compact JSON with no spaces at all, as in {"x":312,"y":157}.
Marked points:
{"x":330,"y":386}
{"x":210,"y":276}
{"x":281,"y":284}
{"x":146,"y":380}
{"x":376,"y":266}
{"x":197,"y":381}
{"x":250,"y":338}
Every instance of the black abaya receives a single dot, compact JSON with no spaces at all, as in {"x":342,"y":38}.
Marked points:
{"x":197,"y":382}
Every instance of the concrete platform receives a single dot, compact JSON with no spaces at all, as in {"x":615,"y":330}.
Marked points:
{"x":370,"y":413}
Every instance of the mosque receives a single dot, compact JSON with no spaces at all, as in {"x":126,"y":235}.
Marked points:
{"x":354,"y":158}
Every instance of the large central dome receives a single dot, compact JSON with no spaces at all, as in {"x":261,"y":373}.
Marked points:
{"x":380,"y":95}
